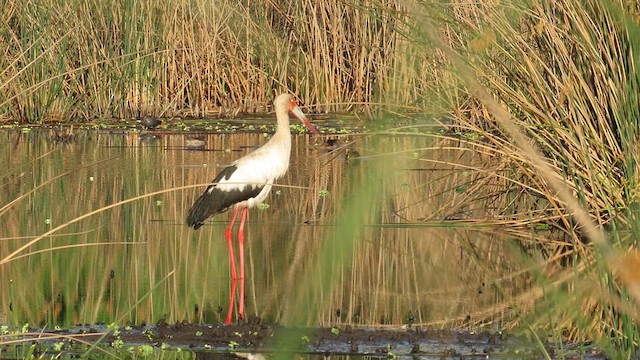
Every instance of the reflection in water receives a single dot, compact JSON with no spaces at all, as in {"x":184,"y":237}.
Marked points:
{"x":332,"y":246}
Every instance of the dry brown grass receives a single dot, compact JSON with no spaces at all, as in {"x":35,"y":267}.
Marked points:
{"x":197,"y":58}
{"x":550,"y":90}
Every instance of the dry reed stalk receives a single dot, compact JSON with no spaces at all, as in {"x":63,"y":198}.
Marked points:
{"x":564,"y":73}
{"x":200,"y":59}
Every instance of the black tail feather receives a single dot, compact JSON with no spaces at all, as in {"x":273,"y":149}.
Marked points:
{"x":201,"y":210}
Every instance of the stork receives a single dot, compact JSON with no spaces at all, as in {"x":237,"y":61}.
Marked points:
{"x":246,"y":183}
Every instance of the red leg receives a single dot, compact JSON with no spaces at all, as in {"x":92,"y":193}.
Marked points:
{"x":232,"y":298}
{"x":232,"y":264}
{"x":241,"y":246}
{"x":228,"y":234}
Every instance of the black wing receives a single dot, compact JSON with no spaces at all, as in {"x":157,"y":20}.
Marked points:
{"x":214,"y":201}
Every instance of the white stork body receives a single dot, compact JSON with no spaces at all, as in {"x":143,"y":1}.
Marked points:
{"x":246,"y":183}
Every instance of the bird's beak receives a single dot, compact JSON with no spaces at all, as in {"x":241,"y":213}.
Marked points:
{"x":300,"y":115}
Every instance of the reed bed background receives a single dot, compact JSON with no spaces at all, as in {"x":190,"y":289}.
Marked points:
{"x":564,"y":73}
{"x":76,"y":60}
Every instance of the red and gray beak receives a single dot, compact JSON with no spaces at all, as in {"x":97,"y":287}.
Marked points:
{"x":300,"y":115}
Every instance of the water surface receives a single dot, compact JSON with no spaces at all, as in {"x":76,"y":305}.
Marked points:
{"x":367,"y":239}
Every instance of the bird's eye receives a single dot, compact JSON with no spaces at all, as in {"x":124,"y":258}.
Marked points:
{"x":293,"y":103}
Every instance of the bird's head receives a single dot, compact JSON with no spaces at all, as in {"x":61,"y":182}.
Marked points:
{"x":288,"y":102}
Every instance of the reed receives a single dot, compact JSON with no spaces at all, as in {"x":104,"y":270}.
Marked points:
{"x":561,"y":75}
{"x":195,"y":58}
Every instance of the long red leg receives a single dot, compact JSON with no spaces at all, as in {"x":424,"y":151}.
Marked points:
{"x":228,"y":234}
{"x":241,"y":246}
{"x":232,"y":298}
{"x":232,"y":264}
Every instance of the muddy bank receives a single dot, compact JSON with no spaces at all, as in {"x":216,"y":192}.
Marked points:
{"x":255,"y":337}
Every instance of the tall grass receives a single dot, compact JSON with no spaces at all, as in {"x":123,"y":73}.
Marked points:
{"x":562,"y":73}
{"x":83,"y":60}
